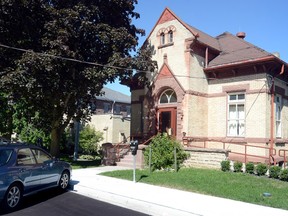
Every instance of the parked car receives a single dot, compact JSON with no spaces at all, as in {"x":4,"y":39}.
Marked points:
{"x":26,"y":169}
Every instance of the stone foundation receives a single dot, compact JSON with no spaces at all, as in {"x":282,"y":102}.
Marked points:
{"x":205,"y":158}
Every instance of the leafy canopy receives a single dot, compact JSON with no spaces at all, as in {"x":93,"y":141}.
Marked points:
{"x":57,"y":55}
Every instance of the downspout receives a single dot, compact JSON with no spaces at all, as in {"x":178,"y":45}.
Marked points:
{"x":206,"y":57}
{"x":273,"y":116}
{"x":272,"y":124}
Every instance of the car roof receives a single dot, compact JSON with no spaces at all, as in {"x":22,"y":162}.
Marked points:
{"x":17,"y":145}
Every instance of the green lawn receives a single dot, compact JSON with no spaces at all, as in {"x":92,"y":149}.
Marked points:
{"x":236,"y":186}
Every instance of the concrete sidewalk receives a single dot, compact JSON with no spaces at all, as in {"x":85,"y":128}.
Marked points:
{"x":155,"y":200}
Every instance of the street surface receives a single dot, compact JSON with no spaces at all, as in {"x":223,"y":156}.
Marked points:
{"x":53,"y":202}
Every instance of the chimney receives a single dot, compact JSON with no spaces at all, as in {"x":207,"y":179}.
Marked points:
{"x":241,"y":35}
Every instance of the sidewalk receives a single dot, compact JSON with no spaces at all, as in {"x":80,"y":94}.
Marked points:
{"x":159,"y":201}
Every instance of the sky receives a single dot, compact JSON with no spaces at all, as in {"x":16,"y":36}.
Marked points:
{"x":265,"y":22}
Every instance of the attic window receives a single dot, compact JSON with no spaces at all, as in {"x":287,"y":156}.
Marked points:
{"x":162,"y":38}
{"x":166,"y":36}
{"x":170,"y":36}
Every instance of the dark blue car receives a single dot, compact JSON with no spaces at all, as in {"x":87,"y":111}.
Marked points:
{"x":26,"y":169}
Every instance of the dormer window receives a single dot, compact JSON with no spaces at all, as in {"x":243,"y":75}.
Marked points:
{"x":162,"y":38}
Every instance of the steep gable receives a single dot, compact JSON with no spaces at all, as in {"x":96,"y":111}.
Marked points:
{"x":166,"y":16}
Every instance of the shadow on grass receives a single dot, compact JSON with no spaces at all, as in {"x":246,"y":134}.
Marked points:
{"x":142,"y":177}
{"x":85,"y":163}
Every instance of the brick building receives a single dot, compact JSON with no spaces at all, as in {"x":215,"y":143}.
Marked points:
{"x":212,"y":92}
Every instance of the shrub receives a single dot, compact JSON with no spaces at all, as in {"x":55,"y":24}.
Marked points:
{"x":237,"y":166}
{"x":162,"y":156}
{"x":249,"y":167}
{"x":225,"y":165}
{"x":283,"y":175}
{"x":89,"y":140}
{"x":261,"y":169}
{"x":274,"y":171}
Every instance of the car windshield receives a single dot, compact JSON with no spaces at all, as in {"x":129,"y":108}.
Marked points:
{"x":5,"y":155}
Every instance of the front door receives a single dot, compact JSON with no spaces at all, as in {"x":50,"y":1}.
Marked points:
{"x":167,"y":121}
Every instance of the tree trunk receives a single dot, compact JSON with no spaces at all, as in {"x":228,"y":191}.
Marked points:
{"x":55,"y":142}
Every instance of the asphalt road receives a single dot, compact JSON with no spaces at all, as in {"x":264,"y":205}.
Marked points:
{"x":53,"y":202}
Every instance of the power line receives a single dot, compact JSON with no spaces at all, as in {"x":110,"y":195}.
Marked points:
{"x":69,"y":59}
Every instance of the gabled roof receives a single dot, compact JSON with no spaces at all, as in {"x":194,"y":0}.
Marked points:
{"x":235,"y":49}
{"x":230,"y":49}
{"x":205,"y":39}
{"x":111,"y":95}
{"x":168,"y":15}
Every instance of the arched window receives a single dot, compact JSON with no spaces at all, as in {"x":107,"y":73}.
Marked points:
{"x":170,"y":36}
{"x":162,"y":38}
{"x":169,"y":96}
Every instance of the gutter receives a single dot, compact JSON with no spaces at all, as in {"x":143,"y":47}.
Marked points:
{"x":245,"y":62}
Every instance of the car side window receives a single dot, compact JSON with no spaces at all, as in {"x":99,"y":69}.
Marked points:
{"x":41,"y":156}
{"x":5,"y":156}
{"x":25,"y":157}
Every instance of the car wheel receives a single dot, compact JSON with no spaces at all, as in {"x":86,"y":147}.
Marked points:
{"x":13,"y":197}
{"x":64,"y":180}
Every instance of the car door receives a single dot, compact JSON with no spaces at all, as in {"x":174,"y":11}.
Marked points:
{"x":28,"y":170}
{"x":50,"y":173}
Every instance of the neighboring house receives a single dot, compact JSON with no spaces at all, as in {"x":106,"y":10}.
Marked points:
{"x":112,"y":115}
{"x":212,"y":92}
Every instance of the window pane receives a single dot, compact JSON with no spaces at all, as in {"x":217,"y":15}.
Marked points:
{"x":241,"y":128}
{"x":232,"y":112}
{"x":241,"y":114}
{"x":232,"y":128}
{"x":278,"y":129}
{"x":5,"y":156}
{"x":170,"y":36}
{"x":162,"y":38}
{"x":168,"y":96}
{"x":232,"y":97}
{"x":41,"y":156}
{"x":25,"y":157}
{"x":241,"y":96}
{"x":164,"y":99}
{"x":173,"y":98}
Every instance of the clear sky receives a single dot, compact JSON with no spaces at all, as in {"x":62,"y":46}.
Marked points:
{"x":265,"y":22}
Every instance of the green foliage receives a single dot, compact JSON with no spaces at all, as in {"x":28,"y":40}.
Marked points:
{"x":67,"y":43}
{"x":274,"y":171}
{"x":237,"y":166}
{"x":249,"y":167}
{"x":284,"y":175}
{"x":89,"y":140}
{"x":225,"y":165}
{"x":261,"y":169}
{"x":163,"y":153}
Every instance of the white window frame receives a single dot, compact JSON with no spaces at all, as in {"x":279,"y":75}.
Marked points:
{"x":236,"y":118}
{"x":278,"y":112}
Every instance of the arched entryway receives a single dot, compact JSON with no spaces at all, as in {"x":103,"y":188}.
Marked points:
{"x":166,"y":113}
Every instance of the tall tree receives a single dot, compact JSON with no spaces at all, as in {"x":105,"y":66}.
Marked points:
{"x":57,"y":55}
